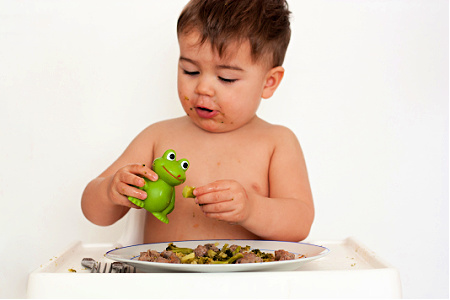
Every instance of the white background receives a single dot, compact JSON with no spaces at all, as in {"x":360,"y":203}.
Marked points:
{"x":365,"y":90}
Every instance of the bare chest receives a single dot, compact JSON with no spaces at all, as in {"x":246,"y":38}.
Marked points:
{"x":244,"y":158}
{"x":231,"y":158}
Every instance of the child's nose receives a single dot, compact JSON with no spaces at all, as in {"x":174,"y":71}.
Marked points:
{"x":204,"y":86}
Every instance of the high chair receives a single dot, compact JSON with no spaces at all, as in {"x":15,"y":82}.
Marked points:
{"x":133,"y":232}
{"x":350,"y":270}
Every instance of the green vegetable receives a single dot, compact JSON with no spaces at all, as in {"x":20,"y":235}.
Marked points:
{"x":188,"y":192}
{"x":265,"y":256}
{"x":230,"y":260}
{"x":211,"y":253}
{"x":238,"y":249}
{"x":188,"y":258}
{"x":222,"y":252}
{"x":173,"y":248}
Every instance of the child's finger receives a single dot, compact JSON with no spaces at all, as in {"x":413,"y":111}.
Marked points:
{"x":131,"y":179}
{"x":220,"y":207}
{"x":150,"y":174}
{"x":215,"y":186}
{"x":215,"y":197}
{"x":144,"y":171}
{"x":127,"y":190}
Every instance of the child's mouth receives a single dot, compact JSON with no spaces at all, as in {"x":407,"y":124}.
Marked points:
{"x":205,"y":113}
{"x":205,"y":109}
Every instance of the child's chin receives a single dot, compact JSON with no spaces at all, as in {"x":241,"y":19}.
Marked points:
{"x":212,"y":126}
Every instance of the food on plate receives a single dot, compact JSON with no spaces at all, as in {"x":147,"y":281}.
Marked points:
{"x":160,"y":199}
{"x":211,"y":254}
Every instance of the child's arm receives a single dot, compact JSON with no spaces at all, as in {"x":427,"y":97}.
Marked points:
{"x":287,"y":214}
{"x":104,"y":199}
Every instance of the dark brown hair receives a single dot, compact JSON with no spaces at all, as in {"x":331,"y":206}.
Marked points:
{"x":264,"y":23}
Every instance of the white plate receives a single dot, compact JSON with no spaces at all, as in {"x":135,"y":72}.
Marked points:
{"x":129,"y":255}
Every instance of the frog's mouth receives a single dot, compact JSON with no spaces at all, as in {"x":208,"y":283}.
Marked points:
{"x":172,"y":174}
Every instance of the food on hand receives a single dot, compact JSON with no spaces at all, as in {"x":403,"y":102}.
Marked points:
{"x":188,"y":192}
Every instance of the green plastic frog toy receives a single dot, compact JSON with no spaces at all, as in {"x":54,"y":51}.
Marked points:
{"x":161,"y":193}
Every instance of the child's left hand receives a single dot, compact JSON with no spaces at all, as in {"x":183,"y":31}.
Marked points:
{"x":224,"y":200}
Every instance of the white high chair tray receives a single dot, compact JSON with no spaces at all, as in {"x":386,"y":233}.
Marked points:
{"x":349,"y":270}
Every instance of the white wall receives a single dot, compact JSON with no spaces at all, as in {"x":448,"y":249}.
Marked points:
{"x":366,"y":92}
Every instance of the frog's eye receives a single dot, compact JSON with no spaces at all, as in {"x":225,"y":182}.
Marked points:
{"x":171,"y":156}
{"x":185,"y":165}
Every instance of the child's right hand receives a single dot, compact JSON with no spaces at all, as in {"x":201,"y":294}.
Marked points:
{"x":124,"y":182}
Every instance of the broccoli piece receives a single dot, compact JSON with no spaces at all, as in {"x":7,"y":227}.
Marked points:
{"x":204,"y":260}
{"x":211,"y":253}
{"x":257,"y":252}
{"x":223,"y":254}
{"x":268,"y":257}
{"x":246,"y":248}
{"x":230,"y":260}
{"x":237,"y":250}
{"x":188,"y":192}
{"x":224,"y":249}
{"x":265,"y":256}
{"x":175,"y":249}
{"x":188,"y":258}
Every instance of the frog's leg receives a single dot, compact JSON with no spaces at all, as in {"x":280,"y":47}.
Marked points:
{"x":171,"y":206}
{"x":162,"y":216}
{"x":137,"y":201}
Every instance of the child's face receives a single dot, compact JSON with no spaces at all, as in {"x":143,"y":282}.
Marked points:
{"x":219,"y":94}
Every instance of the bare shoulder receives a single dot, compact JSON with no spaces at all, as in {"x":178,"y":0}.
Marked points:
{"x":285,"y":145}
{"x":143,"y":145}
{"x":278,"y":134}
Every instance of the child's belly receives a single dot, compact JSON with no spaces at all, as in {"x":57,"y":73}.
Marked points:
{"x":187,"y":222}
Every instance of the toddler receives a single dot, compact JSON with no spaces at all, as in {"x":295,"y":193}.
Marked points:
{"x":250,"y":176}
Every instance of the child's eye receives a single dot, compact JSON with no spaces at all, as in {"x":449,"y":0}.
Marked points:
{"x":191,"y":73}
{"x":227,"y":80}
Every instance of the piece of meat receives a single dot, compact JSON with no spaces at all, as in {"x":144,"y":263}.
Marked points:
{"x":171,"y":257}
{"x":212,"y":247}
{"x":150,"y":255}
{"x":283,"y":255}
{"x":201,"y":251}
{"x":163,"y":257}
{"x":162,"y":260}
{"x":166,"y":254}
{"x":249,"y":257}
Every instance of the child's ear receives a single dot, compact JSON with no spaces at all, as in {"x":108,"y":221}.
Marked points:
{"x":273,"y":80}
